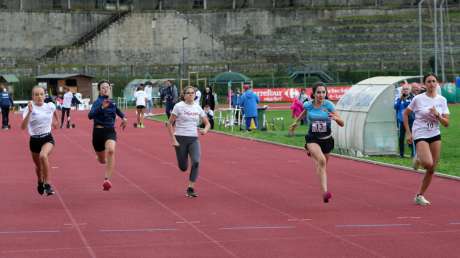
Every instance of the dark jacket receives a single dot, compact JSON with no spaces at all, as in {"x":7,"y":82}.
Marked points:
{"x":104,"y":116}
{"x":5,"y":99}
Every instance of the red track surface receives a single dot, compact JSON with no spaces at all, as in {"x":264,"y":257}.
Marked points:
{"x":256,"y":200}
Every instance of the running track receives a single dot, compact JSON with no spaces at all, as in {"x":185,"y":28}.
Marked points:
{"x":256,"y":200}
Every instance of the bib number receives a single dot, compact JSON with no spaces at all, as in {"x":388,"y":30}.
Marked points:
{"x":319,"y":127}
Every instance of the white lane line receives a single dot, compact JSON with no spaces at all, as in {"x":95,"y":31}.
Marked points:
{"x":256,"y":227}
{"x":300,"y":219}
{"x":30,"y":232}
{"x":137,"y":230}
{"x":372,"y":225}
{"x":454,"y":223}
{"x":409,"y":217}
{"x":191,"y":222}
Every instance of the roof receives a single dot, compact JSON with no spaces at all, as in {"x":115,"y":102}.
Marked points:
{"x":62,"y":76}
{"x":386,"y":80}
{"x":230,"y":76}
{"x":9,"y":77}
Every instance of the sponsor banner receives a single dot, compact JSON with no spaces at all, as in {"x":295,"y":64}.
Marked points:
{"x":288,"y":94}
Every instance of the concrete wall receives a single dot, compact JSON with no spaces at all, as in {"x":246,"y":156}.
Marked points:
{"x":188,"y":4}
{"x":27,"y":36}
{"x":341,"y":39}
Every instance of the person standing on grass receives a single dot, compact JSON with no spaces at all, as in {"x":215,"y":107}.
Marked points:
{"x":103,"y":112}
{"x":248,"y":102}
{"x":401,"y":103}
{"x":38,"y":119}
{"x":430,"y":110}
{"x":182,"y":127}
{"x":319,"y":141}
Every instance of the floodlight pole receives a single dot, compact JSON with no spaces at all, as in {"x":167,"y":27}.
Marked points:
{"x":420,"y":38}
{"x":435,"y":18}
{"x":441,"y":11}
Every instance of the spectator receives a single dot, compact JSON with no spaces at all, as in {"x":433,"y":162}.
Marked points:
{"x":66,"y":105}
{"x":235,"y":98}
{"x":169,"y":96}
{"x":148,"y":91}
{"x":210,"y":114}
{"x":297,"y":108}
{"x":141,"y":100}
{"x":6,"y":102}
{"x":400,"y":105}
{"x":303,"y":97}
{"x":197,"y":96}
{"x":208,"y":99}
{"x":248,"y":102}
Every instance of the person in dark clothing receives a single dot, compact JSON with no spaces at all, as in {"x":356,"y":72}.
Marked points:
{"x":208,"y":99}
{"x":401,"y":103}
{"x":103,"y":112}
{"x":169,"y":96}
{"x":6,"y":102}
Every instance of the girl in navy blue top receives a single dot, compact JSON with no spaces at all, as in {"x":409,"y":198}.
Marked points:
{"x":319,"y":140}
{"x":103,"y":112}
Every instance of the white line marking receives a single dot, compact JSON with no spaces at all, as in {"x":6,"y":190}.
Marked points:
{"x":137,"y":230}
{"x":409,"y":217}
{"x":256,"y":227}
{"x":30,"y":232}
{"x":372,"y":225}
{"x":454,"y":223}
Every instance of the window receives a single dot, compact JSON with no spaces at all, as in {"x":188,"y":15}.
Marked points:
{"x":198,"y":4}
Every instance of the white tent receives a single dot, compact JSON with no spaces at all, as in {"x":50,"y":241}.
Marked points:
{"x":370,"y":119}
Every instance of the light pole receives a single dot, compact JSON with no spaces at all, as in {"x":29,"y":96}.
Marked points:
{"x":420,"y":46}
{"x":435,"y":25}
{"x":441,"y":10}
{"x":183,"y":57}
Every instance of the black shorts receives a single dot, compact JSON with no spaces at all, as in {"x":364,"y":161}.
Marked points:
{"x":101,"y":135}
{"x":326,"y":145}
{"x":428,"y":140}
{"x":140,"y":107}
{"x":36,"y":142}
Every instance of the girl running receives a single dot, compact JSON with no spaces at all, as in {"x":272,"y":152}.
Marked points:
{"x":103,"y":112}
{"x":430,"y":110}
{"x":182,"y":127}
{"x":38,"y":119}
{"x":319,"y":140}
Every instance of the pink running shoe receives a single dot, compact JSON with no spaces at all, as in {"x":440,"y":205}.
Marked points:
{"x":326,"y":197}
{"x":106,"y":185}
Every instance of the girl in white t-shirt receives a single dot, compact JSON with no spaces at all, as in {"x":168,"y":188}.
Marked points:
{"x":141,"y":100}
{"x":38,"y":119}
{"x":182,"y":127}
{"x":430,"y":110}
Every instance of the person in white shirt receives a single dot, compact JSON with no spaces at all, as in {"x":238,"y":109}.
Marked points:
{"x":430,"y":110}
{"x":148,"y":91}
{"x":141,"y":99}
{"x":182,"y":127}
{"x":66,"y":105}
{"x":197,"y":98}
{"x":38,"y":119}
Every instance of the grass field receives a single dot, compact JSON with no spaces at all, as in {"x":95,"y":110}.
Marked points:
{"x":279,"y":133}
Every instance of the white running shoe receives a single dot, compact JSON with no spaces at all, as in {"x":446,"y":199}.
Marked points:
{"x":420,"y":200}
{"x":415,"y":163}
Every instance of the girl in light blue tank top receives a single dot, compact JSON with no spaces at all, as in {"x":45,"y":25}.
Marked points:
{"x":319,"y":141}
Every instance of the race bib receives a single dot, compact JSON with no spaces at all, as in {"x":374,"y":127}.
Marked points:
{"x":431,"y":125}
{"x":319,"y":126}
